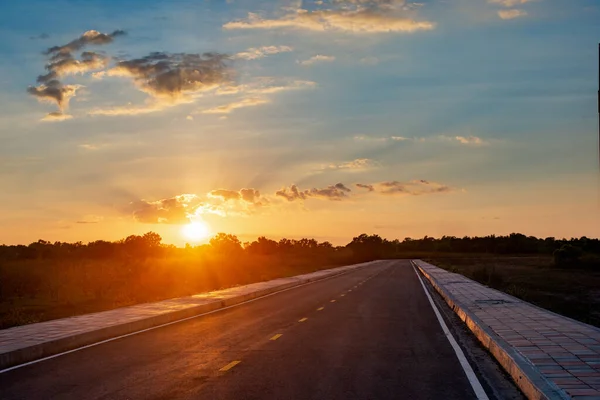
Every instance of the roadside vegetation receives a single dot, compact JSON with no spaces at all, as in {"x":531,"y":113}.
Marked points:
{"x":44,"y":280}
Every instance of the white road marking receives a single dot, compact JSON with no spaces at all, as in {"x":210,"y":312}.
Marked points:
{"x":475,"y":384}
{"x":167,"y":324}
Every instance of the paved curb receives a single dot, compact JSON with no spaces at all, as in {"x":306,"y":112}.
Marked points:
{"x":526,"y":376}
{"x":60,"y":345}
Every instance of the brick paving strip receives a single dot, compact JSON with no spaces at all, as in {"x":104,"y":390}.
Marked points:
{"x":27,"y":343}
{"x":549,"y":356}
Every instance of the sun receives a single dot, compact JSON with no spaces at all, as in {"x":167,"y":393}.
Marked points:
{"x":196,"y":231}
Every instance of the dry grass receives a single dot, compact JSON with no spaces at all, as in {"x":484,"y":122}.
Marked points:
{"x":570,"y":292}
{"x":40,"y":290}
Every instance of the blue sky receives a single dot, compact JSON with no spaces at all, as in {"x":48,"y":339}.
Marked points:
{"x":467,"y":117}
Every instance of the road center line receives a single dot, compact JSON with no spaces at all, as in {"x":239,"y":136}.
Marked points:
{"x":229,"y":366}
{"x":303,"y":319}
{"x":342,"y":295}
{"x":332,"y":301}
{"x":276,"y":336}
{"x":475,"y":384}
{"x":320,"y":308}
{"x":170,"y":323}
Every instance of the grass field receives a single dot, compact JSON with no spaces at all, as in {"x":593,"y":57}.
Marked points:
{"x":40,"y":290}
{"x":574,"y":293}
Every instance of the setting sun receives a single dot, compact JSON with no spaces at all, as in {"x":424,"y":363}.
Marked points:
{"x":196,"y":231}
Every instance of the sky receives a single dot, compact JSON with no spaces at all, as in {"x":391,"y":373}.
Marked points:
{"x":281,"y":118}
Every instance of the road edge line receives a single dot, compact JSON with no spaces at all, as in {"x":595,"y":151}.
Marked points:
{"x":464,"y":363}
{"x":524,"y":375}
{"x":220,"y":307}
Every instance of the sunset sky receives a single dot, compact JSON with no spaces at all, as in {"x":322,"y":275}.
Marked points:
{"x":295,"y":119}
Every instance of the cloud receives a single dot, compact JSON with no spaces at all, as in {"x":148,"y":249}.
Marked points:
{"x":359,"y":20}
{"x":247,"y":195}
{"x":173,"y":76}
{"x":415,"y":187}
{"x":151,"y":106}
{"x":512,"y":13}
{"x":254,"y":53}
{"x":250,"y":195}
{"x":91,"y":37}
{"x":465,"y":140}
{"x":54,"y":92}
{"x":370,"y":188}
{"x":471,"y":140}
{"x":169,"y":80}
{"x":509,"y":3}
{"x":56,"y":116}
{"x":357,"y":164}
{"x":333,"y":192}
{"x":317,"y":59}
{"x":227,"y":108}
{"x":174,"y":210}
{"x":266,"y":86}
{"x":62,"y":62}
{"x":225,"y":194}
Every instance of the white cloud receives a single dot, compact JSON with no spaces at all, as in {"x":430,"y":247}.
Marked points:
{"x":316,"y":59}
{"x":509,"y":3}
{"x":56,"y":116}
{"x":359,"y":20}
{"x":254,"y":53}
{"x":354,"y":165}
{"x":227,"y":108}
{"x":512,"y":13}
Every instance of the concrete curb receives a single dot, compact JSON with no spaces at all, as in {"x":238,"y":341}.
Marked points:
{"x":52,"y":347}
{"x":525,"y":375}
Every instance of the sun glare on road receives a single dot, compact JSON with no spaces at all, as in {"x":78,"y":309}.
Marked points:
{"x":196,"y":231}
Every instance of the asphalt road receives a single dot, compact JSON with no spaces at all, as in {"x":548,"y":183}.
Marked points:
{"x":369,"y":334}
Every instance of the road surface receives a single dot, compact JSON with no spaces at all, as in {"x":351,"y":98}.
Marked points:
{"x":368,"y":334}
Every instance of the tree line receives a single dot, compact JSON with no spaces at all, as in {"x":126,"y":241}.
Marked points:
{"x":362,"y":247}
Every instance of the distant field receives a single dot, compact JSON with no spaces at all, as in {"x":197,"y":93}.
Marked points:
{"x":574,"y":293}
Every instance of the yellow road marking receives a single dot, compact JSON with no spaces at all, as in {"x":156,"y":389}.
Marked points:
{"x":303,"y":319}
{"x":349,"y":290}
{"x":342,"y":295}
{"x":229,"y":366}
{"x":276,"y":336}
{"x":332,"y":301}
{"x":320,"y":308}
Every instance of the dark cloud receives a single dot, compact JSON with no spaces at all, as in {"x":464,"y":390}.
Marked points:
{"x":61,"y":62}
{"x":54,"y":91}
{"x":370,"y":188}
{"x":173,"y":75}
{"x":91,"y":37}
{"x":414,"y":188}
{"x":334,"y":192}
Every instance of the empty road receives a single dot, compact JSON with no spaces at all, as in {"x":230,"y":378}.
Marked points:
{"x":368,"y":334}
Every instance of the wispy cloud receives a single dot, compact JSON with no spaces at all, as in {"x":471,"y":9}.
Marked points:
{"x":512,"y":13}
{"x":56,"y":116}
{"x":354,"y":165}
{"x":254,"y":53}
{"x":227,"y":108}
{"x":509,"y":3}
{"x":369,"y":16}
{"x":334,"y":192}
{"x":317,"y":59}
{"x":464,"y":140}
{"x":61,"y":62}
